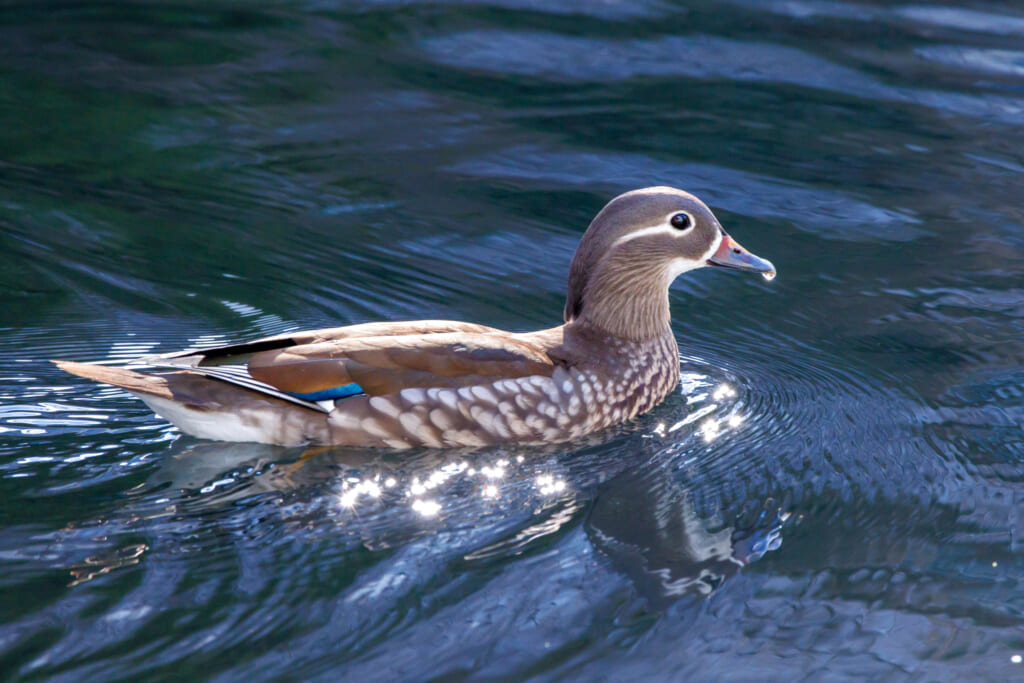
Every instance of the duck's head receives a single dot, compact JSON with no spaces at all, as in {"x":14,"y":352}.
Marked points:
{"x":633,"y":250}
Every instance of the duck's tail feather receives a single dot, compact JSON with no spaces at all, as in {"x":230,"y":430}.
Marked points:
{"x":164,"y":386}
{"x":135,"y":382}
{"x":214,"y":407}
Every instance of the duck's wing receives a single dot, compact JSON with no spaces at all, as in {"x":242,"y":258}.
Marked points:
{"x":287,"y":389}
{"x":313,"y":369}
{"x":239,"y":353}
{"x":386,"y":364}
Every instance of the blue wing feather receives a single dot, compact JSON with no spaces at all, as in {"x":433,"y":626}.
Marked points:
{"x":332,"y":394}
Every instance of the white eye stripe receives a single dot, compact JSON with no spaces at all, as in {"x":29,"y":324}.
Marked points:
{"x":644,"y":232}
{"x":662,"y":228}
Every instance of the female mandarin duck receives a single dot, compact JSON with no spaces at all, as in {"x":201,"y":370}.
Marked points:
{"x":439,"y":383}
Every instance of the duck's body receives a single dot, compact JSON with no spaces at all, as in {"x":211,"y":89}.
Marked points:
{"x":443,"y":384}
{"x":495,"y":386}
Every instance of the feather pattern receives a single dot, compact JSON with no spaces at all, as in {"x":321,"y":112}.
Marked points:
{"x":239,"y":376}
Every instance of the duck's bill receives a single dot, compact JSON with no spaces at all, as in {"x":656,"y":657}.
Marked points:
{"x":731,"y":255}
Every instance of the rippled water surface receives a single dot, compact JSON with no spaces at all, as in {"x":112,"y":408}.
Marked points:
{"x":836,"y":491}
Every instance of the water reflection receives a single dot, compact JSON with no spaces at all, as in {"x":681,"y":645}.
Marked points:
{"x":644,"y":518}
{"x":95,"y":566}
{"x":648,"y":524}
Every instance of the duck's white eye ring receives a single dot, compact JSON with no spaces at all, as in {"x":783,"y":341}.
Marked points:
{"x":681,"y":221}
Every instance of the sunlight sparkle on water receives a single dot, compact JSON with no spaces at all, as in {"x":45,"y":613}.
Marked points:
{"x":490,"y":491}
{"x":723,"y":391}
{"x":735,"y":420}
{"x":427,"y":508}
{"x":710,"y":429}
{"x":1016,"y":659}
{"x":548,"y":484}
{"x":350,"y":496}
{"x":493,"y":472}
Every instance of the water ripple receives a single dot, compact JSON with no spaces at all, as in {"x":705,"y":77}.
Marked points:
{"x":827,"y":214}
{"x":567,"y":58}
{"x":604,"y":9}
{"x":963,"y":19}
{"x":1000,"y":62}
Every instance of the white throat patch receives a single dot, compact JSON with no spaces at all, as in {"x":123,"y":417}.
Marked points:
{"x":681,"y":265}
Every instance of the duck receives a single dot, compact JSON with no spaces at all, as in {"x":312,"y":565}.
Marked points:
{"x":443,"y":384}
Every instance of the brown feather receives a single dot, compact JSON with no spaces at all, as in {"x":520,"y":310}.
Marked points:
{"x":187,"y":388}
{"x":136,"y":382}
{"x":383,"y":329}
{"x":382,"y":365}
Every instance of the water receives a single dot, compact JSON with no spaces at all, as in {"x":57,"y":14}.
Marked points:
{"x":836,"y":492}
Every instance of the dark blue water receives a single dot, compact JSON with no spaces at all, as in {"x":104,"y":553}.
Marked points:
{"x":836,"y":492}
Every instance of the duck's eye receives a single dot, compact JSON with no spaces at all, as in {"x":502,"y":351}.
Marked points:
{"x":681,"y":221}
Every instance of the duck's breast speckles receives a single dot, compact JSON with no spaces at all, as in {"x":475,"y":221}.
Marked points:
{"x":482,"y":417}
{"x":529,"y":385}
{"x":464,"y":437}
{"x":413,"y":396}
{"x":571,"y":402}
{"x":430,"y":437}
{"x":484,"y":393}
{"x":442,"y":419}
{"x":385,"y":405}
{"x":491,"y":422}
{"x":523,"y":401}
{"x":574,"y":405}
{"x":375,"y":427}
{"x":449,"y":399}
{"x":535,"y":423}
{"x":411,"y":423}
{"x":518,"y":426}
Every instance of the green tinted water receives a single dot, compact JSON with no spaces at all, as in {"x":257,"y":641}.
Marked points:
{"x":835,"y":492}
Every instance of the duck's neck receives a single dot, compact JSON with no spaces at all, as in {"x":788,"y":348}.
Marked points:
{"x":629,"y":303}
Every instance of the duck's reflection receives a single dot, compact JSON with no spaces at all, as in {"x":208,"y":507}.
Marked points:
{"x":664,"y":527}
{"x":649,"y":526}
